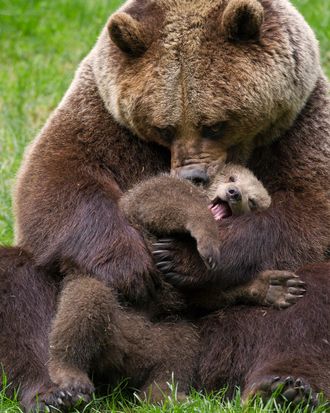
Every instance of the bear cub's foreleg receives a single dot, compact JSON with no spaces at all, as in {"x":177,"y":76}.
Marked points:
{"x":168,"y":206}
{"x":93,"y":334}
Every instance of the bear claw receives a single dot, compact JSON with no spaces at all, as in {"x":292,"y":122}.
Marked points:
{"x":285,"y":289}
{"x":209,"y":262}
{"x":208,"y":251}
{"x":287,"y":390}
{"x":164,"y":266}
{"x":55,"y":399}
{"x":161,"y":254}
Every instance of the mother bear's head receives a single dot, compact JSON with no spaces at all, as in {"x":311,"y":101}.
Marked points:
{"x":210,"y":80}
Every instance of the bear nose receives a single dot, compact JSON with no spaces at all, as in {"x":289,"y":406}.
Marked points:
{"x":196,"y":175}
{"x":234,"y":194}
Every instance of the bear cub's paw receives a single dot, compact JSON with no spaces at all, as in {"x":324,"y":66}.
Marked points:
{"x":286,"y":390}
{"x":73,"y":387}
{"x":285,"y":288}
{"x":56,"y":399}
{"x":209,"y":254}
{"x":208,"y":249}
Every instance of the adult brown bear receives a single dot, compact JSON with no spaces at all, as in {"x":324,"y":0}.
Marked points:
{"x":182,"y":85}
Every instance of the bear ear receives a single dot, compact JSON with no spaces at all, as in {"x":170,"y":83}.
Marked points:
{"x":128,"y":34}
{"x":242,"y":20}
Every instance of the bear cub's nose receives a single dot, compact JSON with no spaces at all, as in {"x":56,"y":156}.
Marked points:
{"x":233,"y":194}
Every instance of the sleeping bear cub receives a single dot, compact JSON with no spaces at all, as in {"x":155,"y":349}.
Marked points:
{"x":96,"y":333}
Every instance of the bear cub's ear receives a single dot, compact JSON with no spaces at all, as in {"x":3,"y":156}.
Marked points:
{"x":128,"y":34}
{"x":242,"y":20}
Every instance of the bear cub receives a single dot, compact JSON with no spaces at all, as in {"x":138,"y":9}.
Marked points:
{"x":95,"y":333}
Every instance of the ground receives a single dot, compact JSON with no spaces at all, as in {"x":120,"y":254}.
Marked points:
{"x":42,"y":42}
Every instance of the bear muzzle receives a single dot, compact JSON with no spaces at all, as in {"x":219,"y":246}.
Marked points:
{"x":197,"y":174}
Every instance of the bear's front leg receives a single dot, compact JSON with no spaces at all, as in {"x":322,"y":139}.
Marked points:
{"x":248,"y":244}
{"x":180,"y":263}
{"x":165,"y":206}
{"x":84,"y":229}
{"x":275,"y":288}
{"x":78,"y":335}
{"x":92,"y":333}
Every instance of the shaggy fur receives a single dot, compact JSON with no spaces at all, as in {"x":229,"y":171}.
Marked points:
{"x":197,"y":93}
{"x":93,"y":336}
{"x":251,"y":347}
{"x":92,"y":333}
{"x":28,"y":303}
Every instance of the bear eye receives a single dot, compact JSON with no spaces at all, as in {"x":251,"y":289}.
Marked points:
{"x":252,"y":203}
{"x":232,"y":179}
{"x":215,"y":131}
{"x":166,"y":134}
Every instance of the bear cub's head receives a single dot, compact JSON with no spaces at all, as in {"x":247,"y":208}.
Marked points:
{"x":236,"y":191}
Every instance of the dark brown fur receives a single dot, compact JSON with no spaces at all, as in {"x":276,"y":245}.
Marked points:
{"x":93,"y":334}
{"x":296,"y":226}
{"x":28,"y":302}
{"x":168,"y":206}
{"x":268,"y":98}
{"x":291,"y":233}
{"x":294,"y":342}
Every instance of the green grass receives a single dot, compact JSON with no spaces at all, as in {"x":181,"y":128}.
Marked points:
{"x":117,"y":402}
{"x":42,"y":42}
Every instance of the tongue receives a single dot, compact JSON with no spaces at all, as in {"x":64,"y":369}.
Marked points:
{"x":219,"y":211}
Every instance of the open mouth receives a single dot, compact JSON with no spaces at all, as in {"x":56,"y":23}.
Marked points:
{"x":220,"y":209}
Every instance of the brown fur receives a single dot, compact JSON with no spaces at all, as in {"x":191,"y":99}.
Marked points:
{"x":201,"y":98}
{"x":297,"y":222}
{"x":128,"y":34}
{"x":168,"y":206}
{"x":92,"y":333}
{"x":240,"y":189}
{"x":246,"y":346}
{"x":242,"y":20}
{"x":28,"y":302}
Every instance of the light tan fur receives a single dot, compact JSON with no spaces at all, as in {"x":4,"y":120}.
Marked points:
{"x":253,"y":195}
{"x":190,"y":61}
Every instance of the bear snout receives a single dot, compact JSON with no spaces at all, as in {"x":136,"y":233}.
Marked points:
{"x":233,"y":194}
{"x":194,"y":173}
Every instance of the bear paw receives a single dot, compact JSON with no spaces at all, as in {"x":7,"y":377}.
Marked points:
{"x":209,"y":253}
{"x":285,"y":288}
{"x":179,"y":262}
{"x":286,"y":390}
{"x":56,"y":399}
{"x":70,"y":391}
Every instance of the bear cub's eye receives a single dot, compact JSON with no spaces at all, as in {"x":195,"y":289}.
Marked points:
{"x":166,"y":134}
{"x":232,"y":179}
{"x":215,"y":131}
{"x":252,"y":203}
